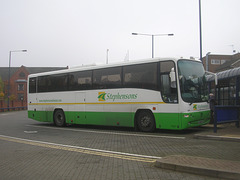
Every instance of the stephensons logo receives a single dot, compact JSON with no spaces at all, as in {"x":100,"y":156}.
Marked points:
{"x":103,"y":96}
{"x":194,"y":106}
{"x":200,"y":107}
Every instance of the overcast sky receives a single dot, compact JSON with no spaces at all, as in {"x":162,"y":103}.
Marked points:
{"x":76,"y":32}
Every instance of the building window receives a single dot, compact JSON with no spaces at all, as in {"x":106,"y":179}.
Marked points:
{"x":215,"y":61}
{"x":223,"y":61}
{"x":22,"y":74}
{"x":20,"y":87}
{"x":20,"y":97}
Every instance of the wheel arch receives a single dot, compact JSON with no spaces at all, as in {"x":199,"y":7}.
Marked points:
{"x":58,"y":108}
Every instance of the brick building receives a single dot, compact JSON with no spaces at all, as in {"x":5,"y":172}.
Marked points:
{"x":18,"y":84}
{"x":218,"y":63}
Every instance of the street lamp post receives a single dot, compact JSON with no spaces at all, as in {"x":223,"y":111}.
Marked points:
{"x":200,"y":29}
{"x":152,"y":35}
{"x":107,"y":56}
{"x":10,"y":54}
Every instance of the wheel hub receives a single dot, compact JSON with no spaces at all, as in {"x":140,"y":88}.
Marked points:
{"x":145,"y":122}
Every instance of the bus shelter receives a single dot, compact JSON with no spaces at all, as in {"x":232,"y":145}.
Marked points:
{"x":227,"y":96}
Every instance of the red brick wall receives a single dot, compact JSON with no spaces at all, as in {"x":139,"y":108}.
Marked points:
{"x":19,"y":78}
{"x":213,"y":67}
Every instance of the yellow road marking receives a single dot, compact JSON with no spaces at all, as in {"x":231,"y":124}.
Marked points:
{"x":125,"y":156}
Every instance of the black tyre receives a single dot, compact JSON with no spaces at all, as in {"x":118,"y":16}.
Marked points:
{"x":59,"y":118}
{"x":146,"y":121}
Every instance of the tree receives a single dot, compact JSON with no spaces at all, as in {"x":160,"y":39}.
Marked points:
{"x":1,"y":96}
{"x":1,"y":84}
{"x":12,"y":98}
{"x":1,"y":91}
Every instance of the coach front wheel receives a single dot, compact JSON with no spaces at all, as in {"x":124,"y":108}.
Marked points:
{"x":146,"y":121}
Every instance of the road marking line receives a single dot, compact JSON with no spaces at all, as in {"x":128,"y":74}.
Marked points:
{"x":98,"y":152}
{"x":30,"y":132}
{"x":224,"y":136}
{"x":7,"y":113}
{"x":232,"y":136}
{"x":112,"y":133}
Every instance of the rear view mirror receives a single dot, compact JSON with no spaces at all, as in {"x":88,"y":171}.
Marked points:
{"x":173,"y":78}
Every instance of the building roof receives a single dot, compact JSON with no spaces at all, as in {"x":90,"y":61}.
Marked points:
{"x":225,"y":74}
{"x":32,"y":70}
{"x":4,"y":72}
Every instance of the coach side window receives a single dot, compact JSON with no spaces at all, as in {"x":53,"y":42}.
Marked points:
{"x":108,"y":78}
{"x":54,"y":83}
{"x":58,"y":82}
{"x":140,"y":76}
{"x":32,"y":85}
{"x":43,"y":83}
{"x":80,"y":80}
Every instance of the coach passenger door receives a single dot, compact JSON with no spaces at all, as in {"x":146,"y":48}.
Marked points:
{"x":80,"y":100}
{"x":169,"y":92}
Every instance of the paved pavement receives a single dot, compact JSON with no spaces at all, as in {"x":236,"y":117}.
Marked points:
{"x":225,"y":132}
{"x":207,"y":166}
{"x":34,"y":150}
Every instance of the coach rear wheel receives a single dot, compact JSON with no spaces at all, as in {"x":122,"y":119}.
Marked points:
{"x":146,"y":121}
{"x":59,"y":118}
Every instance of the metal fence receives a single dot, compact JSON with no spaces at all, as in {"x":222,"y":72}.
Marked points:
{"x":13,"y":108}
